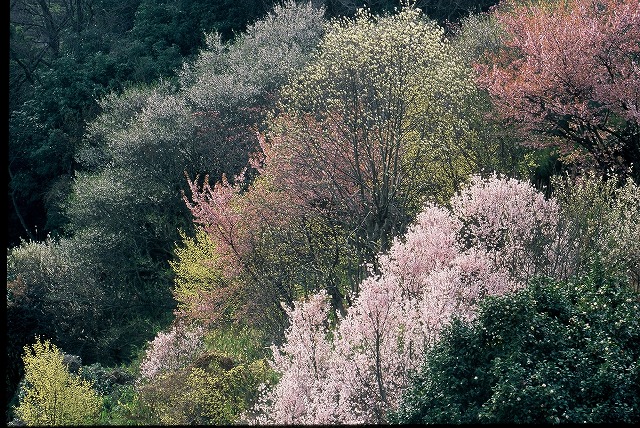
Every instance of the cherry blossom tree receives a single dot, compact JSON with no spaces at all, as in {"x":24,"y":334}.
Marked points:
{"x":308,"y":349}
{"x":445,"y":264}
{"x":569,"y":71}
{"x":512,"y":223}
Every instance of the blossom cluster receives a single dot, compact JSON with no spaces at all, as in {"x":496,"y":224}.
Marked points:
{"x":441,"y":268}
{"x":171,"y":350}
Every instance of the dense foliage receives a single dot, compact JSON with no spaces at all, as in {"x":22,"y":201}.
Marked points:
{"x":63,"y":57}
{"x":570,"y":71}
{"x":301,"y":212}
{"x":51,"y":395}
{"x":134,"y":156}
{"x":554,"y":352}
{"x":356,"y":147}
{"x":183,"y":383}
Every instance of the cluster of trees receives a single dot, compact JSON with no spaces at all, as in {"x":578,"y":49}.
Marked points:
{"x":498,"y":236}
{"x":63,"y":57}
{"x":104,"y":287}
{"x":326,"y":215}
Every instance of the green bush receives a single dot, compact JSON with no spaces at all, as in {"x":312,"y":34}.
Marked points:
{"x":51,"y":394}
{"x":550,"y":353}
{"x":213,"y":390}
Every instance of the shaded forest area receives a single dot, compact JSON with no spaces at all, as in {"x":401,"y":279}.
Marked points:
{"x":264,"y":212}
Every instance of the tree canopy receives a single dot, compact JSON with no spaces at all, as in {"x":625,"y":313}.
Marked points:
{"x":569,"y":71}
{"x":317,"y":212}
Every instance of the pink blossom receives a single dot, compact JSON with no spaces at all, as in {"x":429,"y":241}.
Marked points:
{"x":492,"y":241}
{"x":171,"y":351}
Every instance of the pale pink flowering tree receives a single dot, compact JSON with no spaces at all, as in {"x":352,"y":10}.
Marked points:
{"x":446,"y":262}
{"x":511,"y":221}
{"x":303,"y":361}
{"x":429,"y":244}
{"x":171,"y":350}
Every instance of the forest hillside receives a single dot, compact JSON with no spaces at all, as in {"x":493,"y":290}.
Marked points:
{"x":321,"y":212}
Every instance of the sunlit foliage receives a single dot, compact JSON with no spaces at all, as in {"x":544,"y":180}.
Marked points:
{"x":185,"y":381}
{"x":569,"y":71}
{"x":52,"y":395}
{"x":602,"y":221}
{"x":377,"y":123}
{"x":199,"y":279}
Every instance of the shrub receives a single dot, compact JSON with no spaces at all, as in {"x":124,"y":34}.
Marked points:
{"x":213,"y":390}
{"x":52,"y":395}
{"x":554,"y":352}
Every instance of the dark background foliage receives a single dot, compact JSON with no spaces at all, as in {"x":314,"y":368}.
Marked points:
{"x":63,"y":57}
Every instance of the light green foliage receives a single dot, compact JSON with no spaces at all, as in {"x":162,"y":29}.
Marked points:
{"x":214,"y":390}
{"x":397,"y":86}
{"x":224,"y":397}
{"x":52,"y":395}
{"x":196,"y":267}
{"x":602,"y":218}
{"x":244,"y":344}
{"x":296,"y":260}
{"x":123,"y":407}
